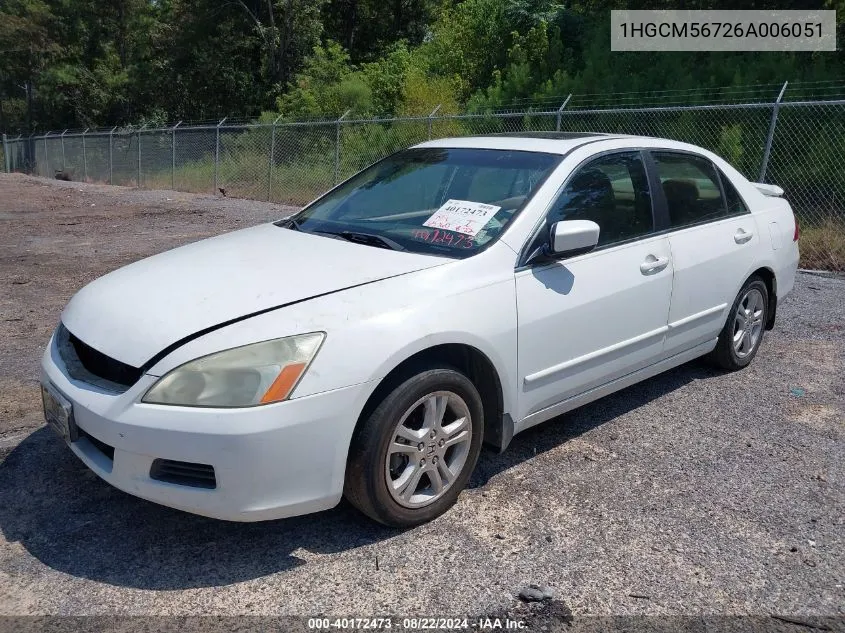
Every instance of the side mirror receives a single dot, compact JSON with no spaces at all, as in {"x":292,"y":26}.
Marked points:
{"x":572,"y":237}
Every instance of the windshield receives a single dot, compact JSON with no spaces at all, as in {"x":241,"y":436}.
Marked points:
{"x":430,"y":200}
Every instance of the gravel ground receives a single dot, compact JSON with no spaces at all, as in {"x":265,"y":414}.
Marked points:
{"x":692,"y":493}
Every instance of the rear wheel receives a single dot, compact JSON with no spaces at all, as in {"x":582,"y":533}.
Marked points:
{"x":412,"y":456}
{"x":743,"y":332}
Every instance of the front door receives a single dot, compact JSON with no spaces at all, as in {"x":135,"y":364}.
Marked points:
{"x":590,"y":319}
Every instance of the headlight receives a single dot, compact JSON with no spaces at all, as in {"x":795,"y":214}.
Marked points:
{"x":260,"y":373}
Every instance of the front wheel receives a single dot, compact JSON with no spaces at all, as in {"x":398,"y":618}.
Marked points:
{"x":743,"y":332}
{"x":412,"y":456}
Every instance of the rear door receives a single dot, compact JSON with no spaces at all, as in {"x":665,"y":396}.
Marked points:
{"x":713,"y":239}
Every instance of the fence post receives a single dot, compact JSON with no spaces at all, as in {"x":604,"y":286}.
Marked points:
{"x":271,"y":161}
{"x":46,"y":156}
{"x":111,"y":163}
{"x":217,"y":154}
{"x":173,"y":156}
{"x":337,"y":147}
{"x":6,"y":154}
{"x":30,"y":147}
{"x":431,"y":117}
{"x":29,"y":155}
{"x":84,"y":158}
{"x":140,"y":129}
{"x":560,"y":112}
{"x":767,"y":152}
{"x":64,"y":162}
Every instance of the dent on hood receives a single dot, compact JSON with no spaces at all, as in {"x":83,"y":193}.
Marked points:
{"x":142,"y":311}
{"x":174,"y":346}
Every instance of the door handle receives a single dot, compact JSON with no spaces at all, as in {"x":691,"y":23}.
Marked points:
{"x":653,"y":264}
{"x":742,"y":236}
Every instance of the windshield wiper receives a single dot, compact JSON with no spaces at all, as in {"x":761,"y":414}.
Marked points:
{"x":292,"y":224}
{"x":367,"y":238}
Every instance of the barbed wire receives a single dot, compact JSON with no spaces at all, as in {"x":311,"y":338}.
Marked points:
{"x":800,"y":145}
{"x":752,"y":94}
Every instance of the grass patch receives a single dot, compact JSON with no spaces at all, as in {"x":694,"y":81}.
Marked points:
{"x":823,"y":245}
{"x":249,"y":176}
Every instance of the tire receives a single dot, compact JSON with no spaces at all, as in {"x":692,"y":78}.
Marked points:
{"x":743,"y":332}
{"x":399,"y":487}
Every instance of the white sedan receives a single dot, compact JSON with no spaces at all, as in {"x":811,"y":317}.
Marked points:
{"x":454,"y":293}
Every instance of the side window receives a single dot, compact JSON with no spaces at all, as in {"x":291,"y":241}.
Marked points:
{"x":612,"y":191}
{"x":734,"y":202}
{"x":691,"y":186}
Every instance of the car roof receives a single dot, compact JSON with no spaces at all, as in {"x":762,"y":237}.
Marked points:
{"x":564,"y":143}
{"x":548,"y":142}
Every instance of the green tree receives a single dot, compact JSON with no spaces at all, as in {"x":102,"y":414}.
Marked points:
{"x":207,"y":63}
{"x":327,"y":86}
{"x":82,"y":63}
{"x":288,"y":30}
{"x":367,"y":28}
{"x":27,"y":46}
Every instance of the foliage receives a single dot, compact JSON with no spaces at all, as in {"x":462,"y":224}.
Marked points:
{"x":84,"y":63}
{"x":367,"y":28}
{"x":207,"y":61}
{"x":823,"y":245}
{"x":730,"y":143}
{"x":327,"y":86}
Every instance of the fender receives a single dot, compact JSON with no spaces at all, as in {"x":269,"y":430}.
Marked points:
{"x":506,"y":378}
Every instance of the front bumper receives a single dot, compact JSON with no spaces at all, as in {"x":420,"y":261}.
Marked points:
{"x":269,"y":461}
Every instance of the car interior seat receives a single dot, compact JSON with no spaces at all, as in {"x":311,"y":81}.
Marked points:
{"x":682,"y":198}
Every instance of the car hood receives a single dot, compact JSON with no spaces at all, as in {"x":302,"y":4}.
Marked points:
{"x":137,"y":311}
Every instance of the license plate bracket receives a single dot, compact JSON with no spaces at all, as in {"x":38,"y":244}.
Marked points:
{"x":58,"y":412}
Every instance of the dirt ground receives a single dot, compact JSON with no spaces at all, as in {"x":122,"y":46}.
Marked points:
{"x":57,"y":236}
{"x":695,"y":492}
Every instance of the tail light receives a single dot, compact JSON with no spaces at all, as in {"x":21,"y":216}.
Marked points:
{"x":797,"y":232}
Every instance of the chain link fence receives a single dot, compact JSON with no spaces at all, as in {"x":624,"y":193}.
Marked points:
{"x":799,"y":145}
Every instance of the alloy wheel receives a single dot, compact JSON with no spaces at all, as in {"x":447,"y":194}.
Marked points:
{"x":428,"y":449}
{"x":748,"y":323}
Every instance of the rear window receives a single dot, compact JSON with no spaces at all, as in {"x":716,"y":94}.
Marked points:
{"x":732,"y":198}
